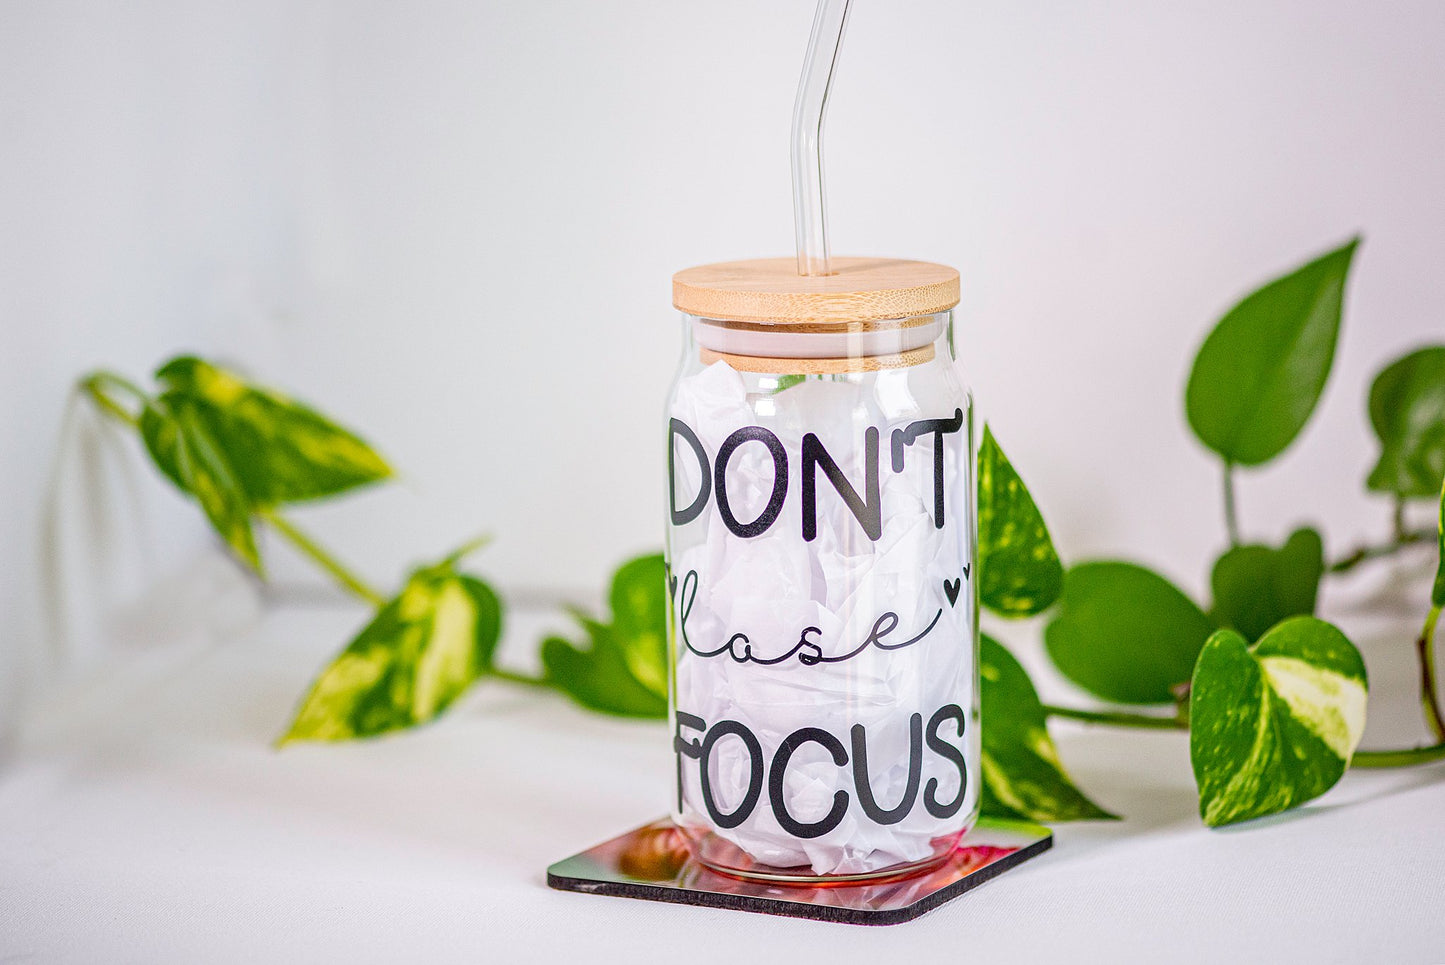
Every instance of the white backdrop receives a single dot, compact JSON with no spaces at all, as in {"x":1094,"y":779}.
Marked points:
{"x":453,"y":224}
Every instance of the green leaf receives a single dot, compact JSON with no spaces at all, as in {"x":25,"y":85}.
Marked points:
{"x":639,"y":619}
{"x":422,"y":650}
{"x":183,"y":448}
{"x":1261,"y":370}
{"x":598,"y":677}
{"x":1019,"y":571}
{"x":1255,"y":587}
{"x":623,"y":668}
{"x":1437,"y":594}
{"x":1407,"y":409}
{"x":280,"y":450}
{"x":488,"y":608}
{"x":1022,"y":775}
{"x":237,"y":448}
{"x":1273,"y":725}
{"x":1125,"y":633}
{"x":160,"y":430}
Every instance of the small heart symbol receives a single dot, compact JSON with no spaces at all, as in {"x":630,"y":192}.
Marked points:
{"x":966,"y":568}
{"x":950,"y":590}
{"x":672,"y":587}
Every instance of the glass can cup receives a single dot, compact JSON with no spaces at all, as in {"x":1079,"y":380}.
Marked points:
{"x":823,"y":630}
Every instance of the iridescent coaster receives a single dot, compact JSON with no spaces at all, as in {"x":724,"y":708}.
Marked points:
{"x":652,"y":862}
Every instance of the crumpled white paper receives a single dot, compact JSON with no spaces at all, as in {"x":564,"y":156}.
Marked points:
{"x":773,"y":585}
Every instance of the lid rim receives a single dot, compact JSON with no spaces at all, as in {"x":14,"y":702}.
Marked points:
{"x":771,"y":365}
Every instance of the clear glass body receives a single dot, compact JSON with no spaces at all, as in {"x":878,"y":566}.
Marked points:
{"x":823,"y":636}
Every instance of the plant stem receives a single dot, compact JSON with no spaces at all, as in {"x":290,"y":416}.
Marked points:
{"x":1425,"y":651}
{"x":1371,"y":759}
{"x":1429,"y":702}
{"x":517,"y":678}
{"x":1118,"y":718}
{"x":321,"y":557}
{"x":1231,"y":517}
{"x":1397,"y":519}
{"x":1404,"y":758}
{"x":1399,"y":542}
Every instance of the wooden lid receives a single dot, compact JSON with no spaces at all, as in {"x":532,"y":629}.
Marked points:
{"x":770,"y":290}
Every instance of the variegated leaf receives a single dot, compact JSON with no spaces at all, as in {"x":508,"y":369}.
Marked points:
{"x":280,"y":450}
{"x":1274,"y":725}
{"x":419,"y":653}
{"x":184,"y":449}
{"x":1022,"y":775}
{"x":1019,"y":571}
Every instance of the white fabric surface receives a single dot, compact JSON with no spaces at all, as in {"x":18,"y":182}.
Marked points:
{"x":144,"y":817}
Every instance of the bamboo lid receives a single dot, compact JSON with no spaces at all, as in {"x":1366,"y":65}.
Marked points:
{"x":770,"y":290}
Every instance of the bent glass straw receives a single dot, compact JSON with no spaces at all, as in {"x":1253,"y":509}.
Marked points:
{"x":810,"y":221}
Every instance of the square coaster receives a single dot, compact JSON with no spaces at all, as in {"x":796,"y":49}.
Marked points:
{"x":653,"y":863}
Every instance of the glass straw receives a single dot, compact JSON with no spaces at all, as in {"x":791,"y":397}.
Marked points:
{"x":810,"y":221}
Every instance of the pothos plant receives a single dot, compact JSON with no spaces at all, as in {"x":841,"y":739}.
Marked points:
{"x":1273,"y":698}
{"x":246,"y":455}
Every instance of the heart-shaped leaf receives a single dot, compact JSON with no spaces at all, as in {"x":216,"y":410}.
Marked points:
{"x":1255,"y":587}
{"x":1407,"y":409}
{"x":598,"y":676}
{"x":1019,"y":571}
{"x":183,"y":447}
{"x":1261,"y":370}
{"x":419,"y":653}
{"x":1125,"y":633}
{"x":623,"y":669}
{"x":279,"y":450}
{"x":1273,"y":725}
{"x":1022,"y":776}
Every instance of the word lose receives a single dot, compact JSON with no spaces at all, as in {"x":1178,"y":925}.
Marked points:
{"x":701,"y":750}
{"x":866,"y":508}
